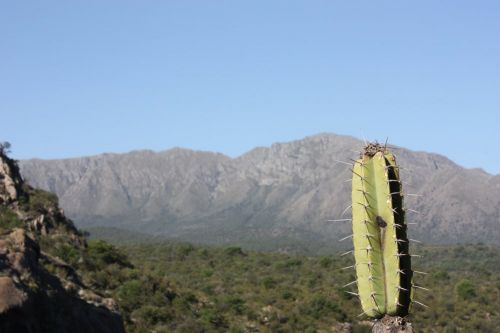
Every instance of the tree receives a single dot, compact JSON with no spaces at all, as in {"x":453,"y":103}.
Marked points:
{"x":5,"y":148}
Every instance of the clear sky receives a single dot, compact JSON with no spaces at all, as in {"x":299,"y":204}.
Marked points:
{"x":86,"y":77}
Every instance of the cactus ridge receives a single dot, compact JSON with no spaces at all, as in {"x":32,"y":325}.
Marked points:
{"x":381,"y":247}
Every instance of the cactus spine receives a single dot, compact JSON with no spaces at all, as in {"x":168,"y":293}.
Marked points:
{"x":383,"y":263}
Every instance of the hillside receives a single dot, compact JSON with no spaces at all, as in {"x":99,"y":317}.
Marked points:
{"x":279,"y":195}
{"x":44,"y":265}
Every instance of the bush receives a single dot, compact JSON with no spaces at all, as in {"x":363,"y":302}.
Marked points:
{"x":234,"y":304}
{"x":101,"y":254}
{"x":269,"y":283}
{"x":234,"y":251}
{"x":325,"y":262}
{"x":465,"y":289}
{"x":190,"y":326}
{"x":148,"y":315}
{"x":40,"y":200}
{"x":214,"y":318}
{"x":360,"y":328}
{"x":321,"y":307}
{"x":185,"y":249}
{"x":287,"y":295}
{"x":441,"y":275}
{"x":68,"y":253}
{"x":236,"y":329}
{"x":450,"y":328}
{"x":9,"y":219}
{"x":293,"y":263}
{"x":130,"y":294}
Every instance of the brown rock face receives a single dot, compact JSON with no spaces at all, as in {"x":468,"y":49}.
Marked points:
{"x":35,"y":301}
{"x":32,"y":298}
{"x":10,"y":180}
{"x":11,"y":295}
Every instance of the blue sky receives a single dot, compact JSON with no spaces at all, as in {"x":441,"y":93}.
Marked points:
{"x":86,"y":77}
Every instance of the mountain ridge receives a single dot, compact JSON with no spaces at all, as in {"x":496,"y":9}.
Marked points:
{"x":285,"y":191}
{"x":250,"y":151}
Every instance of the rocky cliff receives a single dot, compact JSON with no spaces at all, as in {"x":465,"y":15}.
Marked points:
{"x":40,"y":292}
{"x":283,"y":193}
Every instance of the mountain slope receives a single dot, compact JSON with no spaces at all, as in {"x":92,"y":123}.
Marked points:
{"x":281,"y":194}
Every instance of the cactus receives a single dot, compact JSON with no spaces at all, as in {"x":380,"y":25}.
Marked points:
{"x":383,"y":263}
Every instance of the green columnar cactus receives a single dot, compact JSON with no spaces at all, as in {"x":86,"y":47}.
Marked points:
{"x":383,"y":263}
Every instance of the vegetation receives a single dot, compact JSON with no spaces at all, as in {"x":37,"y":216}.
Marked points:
{"x":8,"y":219}
{"x":40,"y":200}
{"x":5,"y":147}
{"x":178,"y":287}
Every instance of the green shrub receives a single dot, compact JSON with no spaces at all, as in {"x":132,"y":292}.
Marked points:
{"x":190,"y":326}
{"x":450,"y":328}
{"x":441,"y":275}
{"x":234,"y":251}
{"x":236,"y":329}
{"x":322,"y":307}
{"x":40,"y":200}
{"x":185,"y":249}
{"x":148,"y":316}
{"x":326,"y":262}
{"x":130,"y":294}
{"x":269,"y":282}
{"x":465,"y":289}
{"x":287,"y":295}
{"x":234,"y":304}
{"x":9,"y":219}
{"x":101,"y":253}
{"x":357,"y":328}
{"x":295,"y":262}
{"x":68,"y":253}
{"x":214,"y":318}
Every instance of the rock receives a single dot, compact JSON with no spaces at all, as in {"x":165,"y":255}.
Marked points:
{"x":39,"y":225}
{"x":33,"y":300}
{"x":10,"y":180}
{"x":11,"y":295}
{"x":22,"y":253}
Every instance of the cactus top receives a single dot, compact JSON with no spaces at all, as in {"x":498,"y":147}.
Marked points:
{"x":372,"y":148}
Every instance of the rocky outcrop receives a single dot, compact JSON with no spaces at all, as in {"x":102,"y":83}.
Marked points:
{"x":12,"y":295}
{"x":34,"y":299}
{"x":10,"y":180}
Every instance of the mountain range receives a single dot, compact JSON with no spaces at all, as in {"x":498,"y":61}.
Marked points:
{"x":282,"y":195}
